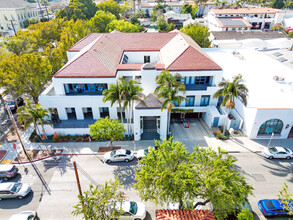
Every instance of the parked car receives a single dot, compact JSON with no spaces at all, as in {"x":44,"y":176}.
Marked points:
{"x":14,"y":190}
{"x":272,"y":207}
{"x":8,"y":171}
{"x":118,"y":155}
{"x":25,"y":215}
{"x":12,"y":106}
{"x":143,"y":152}
{"x":277,"y":152}
{"x":132,"y":210}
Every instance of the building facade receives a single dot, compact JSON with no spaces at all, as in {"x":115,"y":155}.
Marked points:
{"x":75,"y":95}
{"x":13,"y":13}
{"x":241,"y":19}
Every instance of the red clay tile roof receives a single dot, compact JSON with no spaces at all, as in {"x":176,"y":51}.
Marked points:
{"x":183,"y":214}
{"x":192,"y":60}
{"x":84,"y":42}
{"x":246,"y":10}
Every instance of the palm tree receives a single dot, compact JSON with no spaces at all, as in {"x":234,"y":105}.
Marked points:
{"x":169,"y":87}
{"x":231,"y":91}
{"x":115,"y":94}
{"x":33,"y":114}
{"x":132,"y":93}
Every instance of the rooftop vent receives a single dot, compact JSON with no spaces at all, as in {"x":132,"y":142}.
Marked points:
{"x":278,"y":78}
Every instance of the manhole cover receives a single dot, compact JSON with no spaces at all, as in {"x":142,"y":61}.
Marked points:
{"x":258,"y":177}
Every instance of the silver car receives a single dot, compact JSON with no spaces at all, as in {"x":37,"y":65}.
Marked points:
{"x":277,"y":152}
{"x":14,"y":190}
{"x":8,"y":171}
{"x":118,"y":155}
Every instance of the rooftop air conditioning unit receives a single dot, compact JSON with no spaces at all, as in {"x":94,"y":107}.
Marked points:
{"x":278,"y":78}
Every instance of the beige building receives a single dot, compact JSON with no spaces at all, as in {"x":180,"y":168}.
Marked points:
{"x":14,"y":13}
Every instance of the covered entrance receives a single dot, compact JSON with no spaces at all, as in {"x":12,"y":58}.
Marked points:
{"x":149,"y":125}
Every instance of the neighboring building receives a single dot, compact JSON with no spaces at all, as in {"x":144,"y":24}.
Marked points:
{"x":243,"y":19}
{"x":251,"y":39}
{"x":172,"y":17}
{"x":270,"y":83}
{"x":198,"y":21}
{"x":13,"y":13}
{"x":145,"y":22}
{"x":99,"y":59}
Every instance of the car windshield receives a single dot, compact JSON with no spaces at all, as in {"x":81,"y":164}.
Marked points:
{"x":11,"y":103}
{"x":287,"y":150}
{"x":113,"y":153}
{"x":269,"y":204}
{"x":146,"y":151}
{"x":133,"y":208}
{"x":16,"y":187}
{"x":128,"y":152}
{"x":273,"y":150}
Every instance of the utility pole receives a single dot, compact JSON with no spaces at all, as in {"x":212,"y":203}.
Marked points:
{"x":16,"y":130}
{"x":13,"y":27}
{"x":79,"y":188}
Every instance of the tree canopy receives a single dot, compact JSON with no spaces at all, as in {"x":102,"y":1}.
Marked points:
{"x":100,"y":202}
{"x":122,"y":26}
{"x":101,"y":20}
{"x":110,"y":6}
{"x":107,"y":129}
{"x":189,"y":9}
{"x":200,"y":34}
{"x":163,"y":26}
{"x":285,"y":196}
{"x":180,"y":176}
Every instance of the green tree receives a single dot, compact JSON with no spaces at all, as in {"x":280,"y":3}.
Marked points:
{"x":245,"y":214}
{"x":169,"y":88}
{"x":35,"y":114}
{"x":158,"y":10}
{"x":115,"y":94}
{"x":189,"y":9}
{"x":285,"y":196}
{"x":110,"y":6}
{"x":29,"y":21}
{"x":288,"y":4}
{"x":55,"y":56}
{"x":231,"y":91}
{"x":122,"y":26}
{"x":107,"y":129}
{"x":132,"y":93}
{"x":94,"y":203}
{"x":198,"y":33}
{"x":290,"y":34}
{"x":277,"y":4}
{"x":163,"y":26}
{"x":277,"y":27}
{"x":101,"y":20}
{"x":134,"y":20}
{"x":180,"y":176}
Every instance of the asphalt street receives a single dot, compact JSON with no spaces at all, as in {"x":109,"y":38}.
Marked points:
{"x":55,"y":189}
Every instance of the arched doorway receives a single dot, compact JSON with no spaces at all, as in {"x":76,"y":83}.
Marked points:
{"x":271,"y":126}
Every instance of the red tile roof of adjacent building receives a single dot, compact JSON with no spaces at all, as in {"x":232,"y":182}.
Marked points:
{"x":246,"y":11}
{"x":184,"y":214}
{"x":100,"y":54}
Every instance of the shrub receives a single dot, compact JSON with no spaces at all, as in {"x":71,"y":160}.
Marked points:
{"x":245,"y":214}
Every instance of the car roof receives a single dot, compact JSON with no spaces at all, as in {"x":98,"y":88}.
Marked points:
{"x":6,"y":186}
{"x":6,"y":167}
{"x":20,"y":216}
{"x":120,"y":151}
{"x":280,"y":149}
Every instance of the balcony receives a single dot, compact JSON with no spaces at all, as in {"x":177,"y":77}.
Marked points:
{"x":73,"y":123}
{"x":195,"y":87}
{"x":85,"y":89}
{"x":85,"y":93}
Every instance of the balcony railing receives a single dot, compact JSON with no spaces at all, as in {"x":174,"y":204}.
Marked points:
{"x":195,"y":87}
{"x":85,"y":93}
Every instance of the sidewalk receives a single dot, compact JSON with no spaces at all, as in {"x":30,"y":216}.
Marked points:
{"x":233,"y":145}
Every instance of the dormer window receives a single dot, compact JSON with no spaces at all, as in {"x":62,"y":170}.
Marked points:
{"x":147,"y":59}
{"x":125,"y":59}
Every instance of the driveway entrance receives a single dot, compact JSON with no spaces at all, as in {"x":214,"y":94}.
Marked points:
{"x":192,"y":136}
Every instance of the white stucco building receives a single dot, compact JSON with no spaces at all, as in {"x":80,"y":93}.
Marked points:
{"x":100,"y":59}
{"x":14,"y":13}
{"x":241,"y":19}
{"x":270,"y":83}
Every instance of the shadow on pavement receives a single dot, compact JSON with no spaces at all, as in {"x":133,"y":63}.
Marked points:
{"x":16,"y":203}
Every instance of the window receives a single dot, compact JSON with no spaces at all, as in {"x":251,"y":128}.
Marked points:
{"x":147,"y":59}
{"x":125,"y":59}
{"x":205,"y":100}
{"x":190,"y":101}
{"x":176,"y":104}
{"x":271,"y":126}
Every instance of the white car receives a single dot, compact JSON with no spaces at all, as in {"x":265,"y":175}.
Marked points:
{"x":25,"y":215}
{"x":14,"y":190}
{"x":277,"y":152}
{"x":118,"y":155}
{"x":132,"y":210}
{"x":142,"y":153}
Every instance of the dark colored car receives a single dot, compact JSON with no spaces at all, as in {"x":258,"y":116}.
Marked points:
{"x":12,"y":106}
{"x":8,"y":171}
{"x":272,"y":207}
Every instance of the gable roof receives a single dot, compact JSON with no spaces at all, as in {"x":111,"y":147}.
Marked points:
{"x":150,"y":102}
{"x":184,"y":214}
{"x":99,"y":54}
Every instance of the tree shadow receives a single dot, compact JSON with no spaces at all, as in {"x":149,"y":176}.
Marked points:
{"x":126,"y":172}
{"x":60,"y":163}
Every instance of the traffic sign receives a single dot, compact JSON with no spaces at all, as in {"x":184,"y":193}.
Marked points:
{"x":14,"y":146}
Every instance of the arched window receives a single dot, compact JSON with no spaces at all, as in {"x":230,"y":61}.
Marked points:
{"x":271,"y":126}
